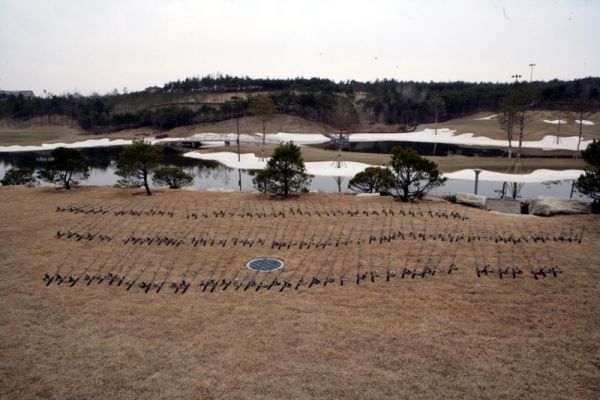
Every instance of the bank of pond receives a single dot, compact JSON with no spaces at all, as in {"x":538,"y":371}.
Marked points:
{"x":211,"y":175}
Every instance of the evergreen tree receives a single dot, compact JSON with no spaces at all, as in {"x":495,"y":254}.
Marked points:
{"x":68,"y":167}
{"x":285,"y":172}
{"x":137,"y":162}
{"x":589,"y":183}
{"x":372,"y":179}
{"x":18,"y":176}
{"x":174,"y":177}
{"x":414,"y":175}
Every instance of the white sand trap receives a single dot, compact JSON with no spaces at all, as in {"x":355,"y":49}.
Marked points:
{"x":205,"y":139}
{"x":539,"y":175}
{"x":328,"y":168}
{"x":488,"y":118}
{"x":584,"y":122}
{"x":428,"y":135}
{"x":270,"y":138}
{"x":555,"y":121}
{"x":447,"y":136}
{"x":74,"y":145}
{"x":82,"y":145}
{"x":349,"y":169}
{"x":247,"y":161}
{"x":251,"y":161}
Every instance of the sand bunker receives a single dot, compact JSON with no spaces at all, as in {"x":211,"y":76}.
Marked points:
{"x":349,"y":169}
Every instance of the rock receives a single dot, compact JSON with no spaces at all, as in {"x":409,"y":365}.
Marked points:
{"x":435,"y":199}
{"x":221,"y":190}
{"x":471,"y":200}
{"x":367,"y":195}
{"x":547,"y":206}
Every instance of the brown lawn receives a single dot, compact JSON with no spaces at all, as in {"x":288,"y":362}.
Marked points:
{"x":535,"y":127}
{"x":38,"y":130}
{"x":439,"y":336}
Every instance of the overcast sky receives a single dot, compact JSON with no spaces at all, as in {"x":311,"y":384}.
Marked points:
{"x":62,"y":45}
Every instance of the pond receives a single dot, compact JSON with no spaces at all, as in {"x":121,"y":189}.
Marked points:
{"x":210,"y":175}
{"x":438,"y":149}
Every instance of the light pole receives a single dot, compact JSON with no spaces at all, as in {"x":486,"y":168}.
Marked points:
{"x":558,"y":127}
{"x":477,"y":172}
{"x":516,"y":77}
{"x":531,"y":76}
{"x":237,"y":124}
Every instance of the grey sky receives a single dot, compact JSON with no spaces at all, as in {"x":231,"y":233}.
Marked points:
{"x":99,"y":45}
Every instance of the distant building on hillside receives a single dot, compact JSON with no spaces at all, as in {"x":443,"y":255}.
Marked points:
{"x":152,"y":89}
{"x":28,"y":94}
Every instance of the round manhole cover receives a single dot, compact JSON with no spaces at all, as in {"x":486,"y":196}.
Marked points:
{"x":265,"y":264}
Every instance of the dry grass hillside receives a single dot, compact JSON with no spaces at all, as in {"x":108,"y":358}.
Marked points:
{"x":535,"y":128}
{"x":34,"y":134}
{"x":39,"y":131}
{"x":416,"y":335}
{"x":277,"y":123}
{"x":137,"y":102}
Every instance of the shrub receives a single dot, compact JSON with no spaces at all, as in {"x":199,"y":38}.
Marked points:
{"x":372,"y":179}
{"x":174,"y":177}
{"x":414,"y":175}
{"x":285,"y":172}
{"x":18,"y":176}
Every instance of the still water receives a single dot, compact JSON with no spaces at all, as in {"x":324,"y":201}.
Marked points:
{"x":210,"y":175}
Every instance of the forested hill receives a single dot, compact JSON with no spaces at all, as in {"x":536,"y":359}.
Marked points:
{"x":342,"y":104}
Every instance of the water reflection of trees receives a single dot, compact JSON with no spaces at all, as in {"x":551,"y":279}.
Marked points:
{"x":550,"y":184}
{"x":339,"y":181}
{"x":510,"y":190}
{"x":28,"y":159}
{"x":213,"y":174}
{"x":423,"y":148}
{"x":214,"y":171}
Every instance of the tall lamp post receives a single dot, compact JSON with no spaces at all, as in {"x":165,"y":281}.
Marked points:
{"x":237,"y":124}
{"x":531,"y":75}
{"x":477,"y":172}
{"x":517,"y":165}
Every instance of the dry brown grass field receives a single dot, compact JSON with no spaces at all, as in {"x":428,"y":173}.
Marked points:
{"x":535,"y":127}
{"x":36,"y":135}
{"x":427,"y":332}
{"x":37,"y":131}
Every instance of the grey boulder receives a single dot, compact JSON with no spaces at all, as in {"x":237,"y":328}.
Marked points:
{"x":471,"y":200}
{"x":547,"y":206}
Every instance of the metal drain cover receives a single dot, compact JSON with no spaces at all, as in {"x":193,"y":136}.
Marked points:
{"x":265,"y":264}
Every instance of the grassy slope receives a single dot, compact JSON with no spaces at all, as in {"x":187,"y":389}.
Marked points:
{"x":34,"y":135}
{"x":286,"y":123}
{"x":436,"y":338}
{"x":535,"y":128}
